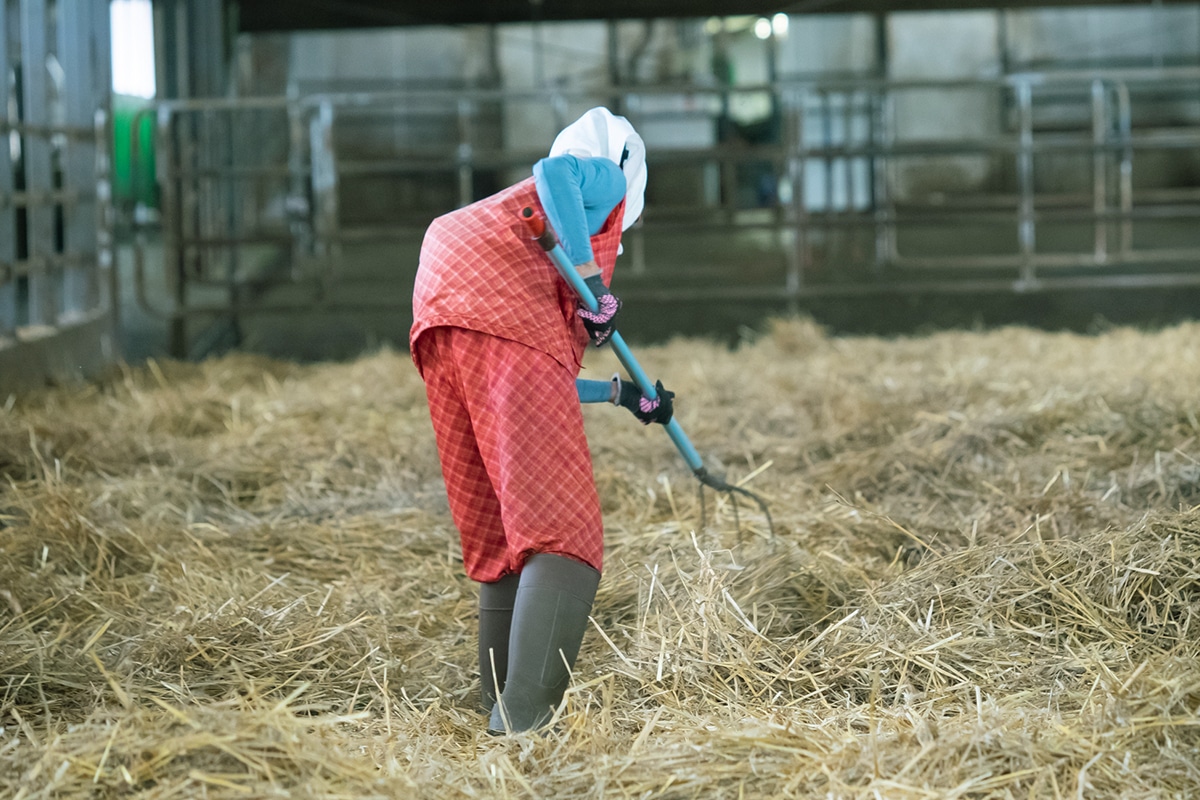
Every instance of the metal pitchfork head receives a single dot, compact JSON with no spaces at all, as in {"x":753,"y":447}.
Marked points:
{"x":706,"y":478}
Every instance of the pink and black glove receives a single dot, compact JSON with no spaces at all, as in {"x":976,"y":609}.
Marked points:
{"x":600,"y":323}
{"x":657,"y":410}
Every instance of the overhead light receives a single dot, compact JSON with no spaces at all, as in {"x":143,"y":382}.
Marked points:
{"x":779,"y":24}
{"x":712,"y":26}
{"x":762,"y":28}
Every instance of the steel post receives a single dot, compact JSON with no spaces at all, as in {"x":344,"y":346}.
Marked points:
{"x":1026,"y":231}
{"x":1099,"y":171}
{"x":36,"y":153}
{"x":8,"y":214}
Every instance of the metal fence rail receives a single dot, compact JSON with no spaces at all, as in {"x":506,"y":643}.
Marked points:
{"x":1067,"y":179}
{"x":57,"y":312}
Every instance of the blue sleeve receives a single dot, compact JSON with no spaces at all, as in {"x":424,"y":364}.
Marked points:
{"x":578,"y":195}
{"x":593,"y":391}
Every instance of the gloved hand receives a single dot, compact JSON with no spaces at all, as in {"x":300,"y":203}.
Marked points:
{"x":657,"y":410}
{"x":600,"y":323}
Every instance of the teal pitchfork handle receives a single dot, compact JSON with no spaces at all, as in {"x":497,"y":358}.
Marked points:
{"x":543,"y":234}
{"x":546,"y":239}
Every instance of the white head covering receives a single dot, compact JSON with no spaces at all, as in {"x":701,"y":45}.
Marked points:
{"x":601,"y":134}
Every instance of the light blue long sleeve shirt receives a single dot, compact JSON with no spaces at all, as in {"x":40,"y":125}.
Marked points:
{"x":578,"y":195}
{"x":593,"y":391}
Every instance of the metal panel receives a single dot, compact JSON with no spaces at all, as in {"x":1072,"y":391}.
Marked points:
{"x":74,"y":353}
{"x":100,"y":69}
{"x":207,"y":62}
{"x":65,"y":332}
{"x":36,"y":150}
{"x":1009,"y":234}
{"x":8,"y":218}
{"x":79,"y":161}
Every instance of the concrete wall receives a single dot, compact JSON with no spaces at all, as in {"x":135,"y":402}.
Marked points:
{"x":540,"y":58}
{"x":825,"y":45}
{"x":380,"y":58}
{"x":932,"y":46}
{"x":1150,"y":35}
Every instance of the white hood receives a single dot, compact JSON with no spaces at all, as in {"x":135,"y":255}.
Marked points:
{"x":601,"y":134}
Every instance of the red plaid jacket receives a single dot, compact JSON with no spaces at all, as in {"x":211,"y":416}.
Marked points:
{"x":480,"y":270}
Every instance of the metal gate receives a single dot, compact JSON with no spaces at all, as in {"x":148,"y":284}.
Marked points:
{"x":291,"y":205}
{"x":57,"y":312}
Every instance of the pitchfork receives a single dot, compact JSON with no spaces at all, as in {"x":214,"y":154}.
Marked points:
{"x":544,"y":235}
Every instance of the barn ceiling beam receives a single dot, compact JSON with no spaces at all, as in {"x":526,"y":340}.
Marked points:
{"x":283,"y":15}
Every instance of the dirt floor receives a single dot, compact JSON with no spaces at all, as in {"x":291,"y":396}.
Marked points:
{"x":239,"y":578}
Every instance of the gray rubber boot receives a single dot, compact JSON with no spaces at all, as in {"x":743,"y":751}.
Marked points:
{"x":496,"y":601}
{"x":549,"y":619}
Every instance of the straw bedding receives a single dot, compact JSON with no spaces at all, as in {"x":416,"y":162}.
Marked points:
{"x":239,"y":579}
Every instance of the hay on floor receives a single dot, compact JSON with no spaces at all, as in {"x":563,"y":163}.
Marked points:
{"x":240,"y":579}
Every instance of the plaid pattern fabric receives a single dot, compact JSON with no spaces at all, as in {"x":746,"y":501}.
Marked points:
{"x":514,"y":456}
{"x":480,"y":270}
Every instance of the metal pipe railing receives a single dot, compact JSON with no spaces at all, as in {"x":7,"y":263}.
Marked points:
{"x":857,"y":147}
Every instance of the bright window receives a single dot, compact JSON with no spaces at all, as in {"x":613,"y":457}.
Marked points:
{"x":132,"y":47}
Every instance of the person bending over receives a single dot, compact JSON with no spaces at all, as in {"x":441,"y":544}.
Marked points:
{"x":498,"y":337}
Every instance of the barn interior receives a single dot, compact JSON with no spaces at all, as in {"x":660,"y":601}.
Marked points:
{"x":882,"y":167}
{"x":922,"y":275}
